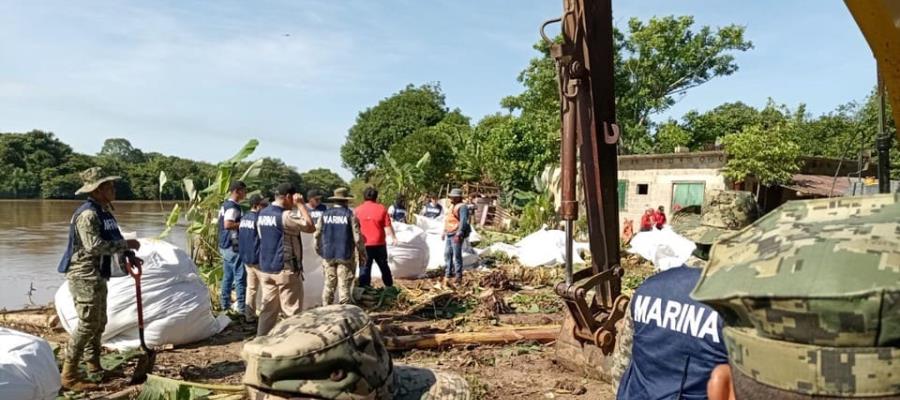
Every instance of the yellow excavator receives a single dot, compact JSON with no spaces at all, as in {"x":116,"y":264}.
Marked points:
{"x":584,"y":60}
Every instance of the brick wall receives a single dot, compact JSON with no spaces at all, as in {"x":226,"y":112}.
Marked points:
{"x":660,"y":184}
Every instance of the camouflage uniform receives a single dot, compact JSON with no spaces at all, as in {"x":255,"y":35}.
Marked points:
{"x":336,"y":352}
{"x":725,"y":212}
{"x":810,"y":295}
{"x":341,"y":273}
{"x":87,"y":287}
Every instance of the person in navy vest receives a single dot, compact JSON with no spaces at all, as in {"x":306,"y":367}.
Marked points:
{"x":342,"y":247}
{"x":397,"y":211}
{"x":433,"y":208}
{"x":248,"y":247}
{"x":234,"y":277}
{"x":281,"y":256}
{"x":673,"y":341}
{"x":314,"y":204}
{"x":88,"y":262}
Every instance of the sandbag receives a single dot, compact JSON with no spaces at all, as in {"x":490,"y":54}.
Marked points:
{"x":542,"y":248}
{"x":28,"y":369}
{"x":177,"y":308}
{"x":663,"y":247}
{"x":409,"y":258}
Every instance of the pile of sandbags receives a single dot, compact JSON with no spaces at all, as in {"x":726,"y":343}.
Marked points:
{"x":663,"y":247}
{"x":542,"y":248}
{"x":28,"y":368}
{"x":177,"y":308}
{"x":434,"y":230}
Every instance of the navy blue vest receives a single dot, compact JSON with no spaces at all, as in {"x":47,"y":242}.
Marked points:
{"x":398,"y":214}
{"x":225,"y":235}
{"x":677,"y":341}
{"x":316,"y":213}
{"x":109,"y":230}
{"x":337,"y":234}
{"x":271,"y":239}
{"x":433,"y":211}
{"x":248,"y":239}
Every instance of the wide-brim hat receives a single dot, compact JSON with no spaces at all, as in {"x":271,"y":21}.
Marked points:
{"x":455,"y":193}
{"x":724,"y":212}
{"x":341,"y":194}
{"x":92,"y":178}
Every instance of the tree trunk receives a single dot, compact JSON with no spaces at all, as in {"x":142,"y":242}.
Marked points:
{"x":543,"y":334}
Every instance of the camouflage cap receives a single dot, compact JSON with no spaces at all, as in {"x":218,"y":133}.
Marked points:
{"x":92,"y":178}
{"x":823,"y":272}
{"x":336,"y":352}
{"x":723,"y":212}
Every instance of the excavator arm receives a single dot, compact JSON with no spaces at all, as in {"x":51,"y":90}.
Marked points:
{"x":584,"y":61}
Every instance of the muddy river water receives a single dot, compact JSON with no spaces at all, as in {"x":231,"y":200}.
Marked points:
{"x":33,"y":236}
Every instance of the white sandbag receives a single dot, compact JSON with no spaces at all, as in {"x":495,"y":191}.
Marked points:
{"x":28,"y":369}
{"x":431,"y":226}
{"x":435,"y":251}
{"x":434,"y":229}
{"x":541,"y":248}
{"x":313,"y":276}
{"x":409,"y":258}
{"x":663,"y":247}
{"x":177,"y":308}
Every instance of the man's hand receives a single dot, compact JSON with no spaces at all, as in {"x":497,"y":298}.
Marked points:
{"x":133,"y":244}
{"x":457,"y":239}
{"x":298,"y":198}
{"x":394,"y":241}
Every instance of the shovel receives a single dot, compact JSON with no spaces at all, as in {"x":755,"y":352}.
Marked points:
{"x":148,"y":358}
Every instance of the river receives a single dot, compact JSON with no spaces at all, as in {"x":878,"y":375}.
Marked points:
{"x":33,"y":236}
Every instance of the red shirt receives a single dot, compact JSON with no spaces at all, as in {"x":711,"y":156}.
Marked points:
{"x":646,"y":222}
{"x":660,"y":219}
{"x":373,"y":218}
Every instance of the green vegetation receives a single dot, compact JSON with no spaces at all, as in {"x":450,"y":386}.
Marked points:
{"x":41,"y":166}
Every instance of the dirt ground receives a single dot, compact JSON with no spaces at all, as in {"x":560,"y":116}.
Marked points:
{"x":502,"y":296}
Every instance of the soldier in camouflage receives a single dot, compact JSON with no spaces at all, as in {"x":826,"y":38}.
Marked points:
{"x":725,"y":212}
{"x":89,"y":260}
{"x":810,"y":295}
{"x":341,"y":246}
{"x":336,"y":352}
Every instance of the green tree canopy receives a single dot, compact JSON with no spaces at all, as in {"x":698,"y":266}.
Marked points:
{"x":768,"y":154}
{"x":379,"y":127}
{"x":122,"y":149}
{"x":322,"y":179}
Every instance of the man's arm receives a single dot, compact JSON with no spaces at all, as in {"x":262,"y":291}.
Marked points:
{"x":359,"y":240}
{"x":318,"y":237}
{"x":230,"y":220}
{"x":88,"y":226}
{"x":463,"y":219}
{"x":622,"y":350}
{"x":390,"y":229}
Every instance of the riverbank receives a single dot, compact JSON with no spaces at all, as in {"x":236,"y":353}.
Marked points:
{"x":509,"y":298}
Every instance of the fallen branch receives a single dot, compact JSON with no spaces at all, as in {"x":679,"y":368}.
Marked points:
{"x":541,"y":334}
{"x":43,"y":321}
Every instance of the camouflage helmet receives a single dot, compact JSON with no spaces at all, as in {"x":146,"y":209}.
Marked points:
{"x":334,"y":352}
{"x":723,"y":212}
{"x":810,"y":294}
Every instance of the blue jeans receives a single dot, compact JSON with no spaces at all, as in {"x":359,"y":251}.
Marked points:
{"x":234,"y":276}
{"x":453,"y":265}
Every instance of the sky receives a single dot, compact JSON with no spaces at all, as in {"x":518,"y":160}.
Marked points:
{"x":198,"y":79}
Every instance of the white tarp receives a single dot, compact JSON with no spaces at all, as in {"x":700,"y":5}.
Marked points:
{"x":542,"y":248}
{"x":177,"y":308}
{"x":663,"y":247}
{"x":28,"y":368}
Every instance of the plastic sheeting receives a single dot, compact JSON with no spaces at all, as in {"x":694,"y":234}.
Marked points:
{"x":28,"y":368}
{"x":663,"y":247}
{"x":177,"y":308}
{"x":542,"y":248}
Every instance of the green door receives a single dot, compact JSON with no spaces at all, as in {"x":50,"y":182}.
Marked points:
{"x":687,"y":194}
{"x":623,"y":190}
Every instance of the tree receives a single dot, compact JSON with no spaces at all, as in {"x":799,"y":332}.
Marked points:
{"x":122,"y":149}
{"x":380,"y":127}
{"x":767,"y":154}
{"x":705,"y":128}
{"x":516,"y":150}
{"x":436,"y":141}
{"x":671,"y":135}
{"x":322,"y":179}
{"x":272,"y":172}
{"x":24,"y":157}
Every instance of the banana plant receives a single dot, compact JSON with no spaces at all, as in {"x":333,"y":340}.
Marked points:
{"x":203,"y":213}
